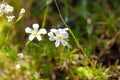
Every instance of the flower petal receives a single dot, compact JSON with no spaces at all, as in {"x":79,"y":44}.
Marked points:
{"x":52,"y":38}
{"x":50,"y":34}
{"x":39,"y":38}
{"x":53,"y":30}
{"x":66,"y":28}
{"x":35,"y":27}
{"x":65,"y":35}
{"x":57,"y":43}
{"x":42,"y":31}
{"x":31,"y":37}
{"x":10,"y":18}
{"x":63,"y":30}
{"x":64,"y":43}
{"x":28,"y":30}
{"x":8,"y":9}
{"x":1,"y":10}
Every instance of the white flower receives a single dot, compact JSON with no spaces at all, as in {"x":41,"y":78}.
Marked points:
{"x":10,"y":18}
{"x":8,"y":9}
{"x":59,"y":35}
{"x":17,"y":66}
{"x":22,"y":11}
{"x":35,"y":32}
{"x":2,"y":7}
{"x":20,"y":55}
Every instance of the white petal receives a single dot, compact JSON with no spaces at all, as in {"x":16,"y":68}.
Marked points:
{"x":63,"y":30}
{"x":52,"y":38}
{"x":65,"y":35}
{"x":31,"y":37}
{"x":28,"y":30}
{"x":60,"y":29}
{"x":39,"y":38}
{"x":42,"y":31}
{"x":50,"y":34}
{"x":1,"y":10}
{"x":57,"y":43}
{"x":57,"y":32}
{"x":66,"y":28}
{"x":64,"y":43}
{"x":53,"y":30}
{"x":35,"y":27}
{"x":10,"y":18}
{"x":2,"y":6}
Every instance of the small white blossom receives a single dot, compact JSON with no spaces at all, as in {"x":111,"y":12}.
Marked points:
{"x":35,"y":32}
{"x":8,"y":9}
{"x":10,"y":18}
{"x":20,"y":55}
{"x":58,"y":35}
{"x":2,"y":7}
{"x":17,"y":66}
{"x":22,"y":11}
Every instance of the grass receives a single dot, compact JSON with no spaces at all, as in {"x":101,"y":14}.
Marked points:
{"x":93,"y":39}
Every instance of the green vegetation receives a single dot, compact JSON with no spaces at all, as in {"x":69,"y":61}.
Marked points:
{"x":93,"y":50}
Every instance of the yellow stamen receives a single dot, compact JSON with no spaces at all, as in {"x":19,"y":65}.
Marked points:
{"x":34,"y":33}
{"x":60,"y":37}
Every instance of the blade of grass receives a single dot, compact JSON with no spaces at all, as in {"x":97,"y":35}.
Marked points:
{"x":44,"y":18}
{"x":27,"y":43}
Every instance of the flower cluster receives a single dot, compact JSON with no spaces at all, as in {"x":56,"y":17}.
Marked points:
{"x":57,"y":35}
{"x":8,"y":10}
{"x":18,"y":65}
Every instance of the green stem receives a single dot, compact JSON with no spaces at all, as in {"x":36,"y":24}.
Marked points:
{"x":44,"y":18}
{"x":27,"y":43}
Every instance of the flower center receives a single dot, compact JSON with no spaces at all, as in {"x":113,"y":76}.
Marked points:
{"x":60,"y":37}
{"x":34,"y":33}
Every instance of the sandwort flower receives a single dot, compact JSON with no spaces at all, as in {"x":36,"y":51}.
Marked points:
{"x":17,"y":66}
{"x":8,"y":9}
{"x":20,"y":55}
{"x":22,"y":11}
{"x":59,"y":35}
{"x":35,"y":32}
{"x":21,"y":14}
{"x":10,"y":18}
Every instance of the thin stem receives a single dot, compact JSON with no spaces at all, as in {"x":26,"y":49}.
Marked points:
{"x":27,"y":43}
{"x":71,"y":73}
{"x":45,"y":15}
{"x":76,"y":41}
